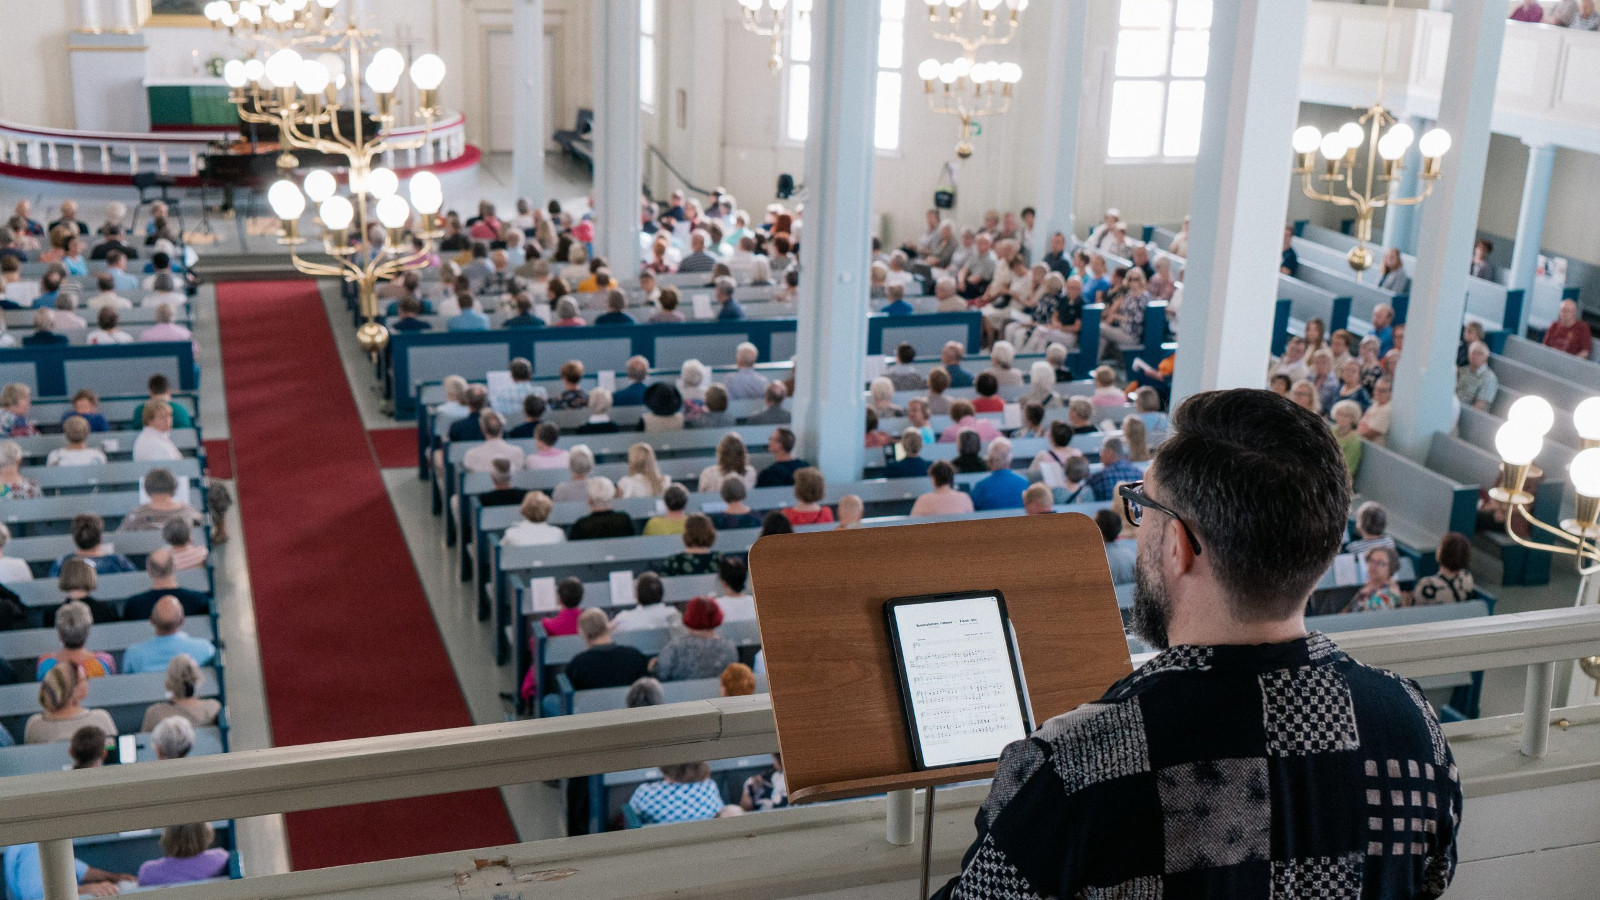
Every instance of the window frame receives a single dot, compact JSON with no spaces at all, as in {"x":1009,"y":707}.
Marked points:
{"x":1165,"y":79}
{"x":786,"y":137}
{"x":649,"y":100}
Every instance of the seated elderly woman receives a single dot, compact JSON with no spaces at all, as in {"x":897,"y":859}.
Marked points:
{"x":566,"y":312}
{"x":13,"y":484}
{"x":78,"y":582}
{"x":187,"y":856}
{"x":1041,"y":386}
{"x":672,"y":521}
{"x":184,"y":677}
{"x":602,"y":521}
{"x":580,"y":462}
{"x":186,"y":553}
{"x":77,"y":452}
{"x":969,"y":453}
{"x":1380,"y":591}
{"x":61,"y":695}
{"x":944,"y":499}
{"x":12,"y":569}
{"x":172,"y":738}
{"x":535,"y":528}
{"x":73,"y":621}
{"x":599,"y":421}
{"x":700,"y":652}
{"x":737,"y":513}
{"x":715,"y":413}
{"x":162,"y":486}
{"x":16,"y":402}
{"x":693,"y":380}
{"x":1001,"y":356}
{"x":882,"y":390}
{"x":155,"y":439}
{"x":663,"y":408}
{"x":809,"y":489}
{"x":686,"y":793}
{"x":88,"y":535}
{"x":697,"y":557}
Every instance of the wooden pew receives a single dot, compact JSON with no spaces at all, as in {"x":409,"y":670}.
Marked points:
{"x":36,"y":759}
{"x":1422,"y":504}
{"x":75,"y":480}
{"x":43,"y":594}
{"x":23,"y":647}
{"x":1560,"y":365}
{"x":125,"y":697}
{"x":35,"y":450}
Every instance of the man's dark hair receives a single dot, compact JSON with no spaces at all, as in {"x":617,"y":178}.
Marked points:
{"x":786,"y":439}
{"x":88,"y":529}
{"x":533,"y":407}
{"x":986,"y":384}
{"x":675,"y":497}
{"x":161,"y":260}
{"x":942,"y":473}
{"x":1455,"y":551}
{"x":905,"y":353}
{"x":1110,"y":523}
{"x":648,"y":590}
{"x":734,"y":573}
{"x":1262,"y":483}
{"x":776,"y":522}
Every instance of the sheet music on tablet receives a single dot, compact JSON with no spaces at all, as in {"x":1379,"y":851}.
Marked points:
{"x":959,"y":678}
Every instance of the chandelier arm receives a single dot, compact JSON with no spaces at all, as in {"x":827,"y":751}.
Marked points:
{"x":311,"y":267}
{"x":1427,"y":191}
{"x":1573,"y":547}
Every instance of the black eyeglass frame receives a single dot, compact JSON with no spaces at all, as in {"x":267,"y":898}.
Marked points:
{"x":1133,"y":510}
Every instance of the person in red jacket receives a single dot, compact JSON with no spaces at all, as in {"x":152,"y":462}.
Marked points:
{"x":1569,"y":333}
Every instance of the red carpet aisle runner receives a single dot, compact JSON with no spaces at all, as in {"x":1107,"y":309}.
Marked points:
{"x":396,"y":448}
{"x":349,"y":647}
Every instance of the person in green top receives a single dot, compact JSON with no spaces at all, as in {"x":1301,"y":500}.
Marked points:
{"x":697,"y":558}
{"x":1346,"y":414}
{"x":161,"y":389}
{"x":675,"y":498}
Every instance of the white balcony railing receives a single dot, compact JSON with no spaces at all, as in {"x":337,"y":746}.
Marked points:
{"x":177,"y":154}
{"x":53,"y":808}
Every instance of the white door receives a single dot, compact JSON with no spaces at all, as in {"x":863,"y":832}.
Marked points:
{"x":499,"y":78}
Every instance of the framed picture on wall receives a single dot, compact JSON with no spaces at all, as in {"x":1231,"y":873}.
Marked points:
{"x":173,"y":14}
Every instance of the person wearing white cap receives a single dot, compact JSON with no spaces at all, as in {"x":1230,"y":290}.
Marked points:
{"x":1106,"y":230}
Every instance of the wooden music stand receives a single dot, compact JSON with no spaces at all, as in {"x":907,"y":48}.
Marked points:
{"x":831,"y":672}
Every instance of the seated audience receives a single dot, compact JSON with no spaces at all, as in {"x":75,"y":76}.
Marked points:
{"x":73,"y":622}
{"x":686,"y":793}
{"x":969,"y":456}
{"x":852,"y":509}
{"x":1346,"y":415}
{"x":737,"y":513}
{"x":1133,"y":434}
{"x":716,"y":413}
{"x":1452,"y":583}
{"x":1106,"y":392}
{"x":13,"y":484}
{"x":503,"y":493}
{"x":809,"y":489}
{"x":644,"y":478}
{"x":162,"y":486}
{"x":482,"y":457}
{"x":781,"y":472}
{"x":1042,"y":383}
{"x":944,"y":499}
{"x":172,"y":738}
{"x":1001,"y":356}
{"x":602,"y":521}
{"x":875,"y":436}
{"x":733,"y":461}
{"x":1372,"y":523}
{"x":881,"y":400}
{"x":616,"y":310}
{"x":1114,"y":470}
{"x":184,"y":677}
{"x":744,"y":382}
{"x":1374,"y":423}
{"x":919,"y":417}
{"x":668,"y":303}
{"x":697,"y":556}
{"x":1002,"y":488}
{"x":1380,"y":590}
{"x":87,"y":748}
{"x":1569,"y":333}
{"x":572,"y":395}
{"x":775,"y":522}
{"x":160,"y":389}
{"x":1120,"y":554}
{"x":188,"y":856}
{"x":663,"y":408}
{"x":469,"y":318}
{"x":154,"y":442}
{"x":16,"y":402}
{"x":632,"y":394}
{"x":162,"y":570}
{"x":88,"y":535}
{"x":910,"y":463}
{"x":938,"y":383}
{"x":773,"y":412}
{"x":733,"y":596}
{"x":650,"y":612}
{"x":153,"y":655}
{"x":86,"y":404}
{"x":45,"y":335}
{"x":964,"y":418}
{"x":24,"y":875}
{"x":535,"y":528}
{"x":533,"y":407}
{"x":700,"y":652}
{"x":1037,"y":500}
{"x":988,"y":389}
{"x":77,"y":452}
{"x":61,"y":694}
{"x":674,"y":499}
{"x":599,"y":421}
{"x":903,"y":374}
{"x":580,"y":462}
{"x":1075,"y":482}
{"x":108,"y":330}
{"x":737,"y":680}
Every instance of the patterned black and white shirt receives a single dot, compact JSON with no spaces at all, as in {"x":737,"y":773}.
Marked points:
{"x":1241,"y":772}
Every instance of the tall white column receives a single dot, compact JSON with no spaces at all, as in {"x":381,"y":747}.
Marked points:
{"x":1241,"y":195}
{"x":1058,"y":151}
{"x":1426,"y":377}
{"x":1530,"y":223}
{"x":527,"y":96}
{"x":89,"y":16}
{"x":127,"y":18}
{"x":1400,"y":222}
{"x":617,"y":169}
{"x":829,"y":410}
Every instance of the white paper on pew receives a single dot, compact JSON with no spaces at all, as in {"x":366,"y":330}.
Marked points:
{"x":1011,"y":416}
{"x":181,"y":495}
{"x":875,"y":366}
{"x":608,"y":380}
{"x":110,"y":445}
{"x":622,"y":588}
{"x":661,"y":507}
{"x":702,"y":306}
{"x":1344,"y":569}
{"x":712,"y":507}
{"x":499,"y":382}
{"x":541,"y":596}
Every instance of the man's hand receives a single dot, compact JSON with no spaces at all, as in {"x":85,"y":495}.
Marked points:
{"x":99,"y":889}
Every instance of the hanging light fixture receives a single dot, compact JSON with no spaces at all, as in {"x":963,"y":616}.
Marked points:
{"x":964,"y":87}
{"x":1387,"y":141}
{"x":769,"y":19}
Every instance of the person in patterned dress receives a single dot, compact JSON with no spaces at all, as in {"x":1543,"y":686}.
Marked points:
{"x":1248,"y":759}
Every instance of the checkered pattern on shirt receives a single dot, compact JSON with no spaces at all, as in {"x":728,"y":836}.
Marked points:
{"x":1247,"y":773}
{"x":663,"y":801}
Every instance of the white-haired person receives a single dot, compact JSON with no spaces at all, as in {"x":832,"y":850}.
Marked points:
{"x":163,"y":507}
{"x":599,"y":421}
{"x":187,"y":856}
{"x":13,"y":484}
{"x":580,"y":462}
{"x":184,"y":678}
{"x":12,"y":569}
{"x":693,"y":380}
{"x":535,"y":528}
{"x":77,"y":451}
{"x":882,"y":392}
{"x":1001,"y":356}
{"x":602,"y":521}
{"x":1041,"y":386}
{"x":744,"y":382}
{"x":73,"y":623}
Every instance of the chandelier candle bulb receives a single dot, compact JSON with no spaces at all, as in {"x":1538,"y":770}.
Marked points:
{"x":1586,"y":420}
{"x":1533,"y":414}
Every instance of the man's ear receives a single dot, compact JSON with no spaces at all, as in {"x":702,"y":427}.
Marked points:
{"x":1177,"y":545}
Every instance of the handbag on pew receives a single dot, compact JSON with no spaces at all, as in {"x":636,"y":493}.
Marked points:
{"x":944,"y":189}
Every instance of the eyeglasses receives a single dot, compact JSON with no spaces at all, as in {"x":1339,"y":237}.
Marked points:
{"x":1136,"y":501}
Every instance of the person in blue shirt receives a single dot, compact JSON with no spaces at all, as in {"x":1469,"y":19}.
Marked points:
{"x":524,"y":317}
{"x":897,"y":305}
{"x":410,"y":309}
{"x":1114,"y":470}
{"x":950,"y":359}
{"x":730,"y":307}
{"x":49,"y":290}
{"x":1289,"y":261}
{"x":117,"y":268}
{"x":1002,"y":488}
{"x":86,"y":403}
{"x":1096,"y":286}
{"x":616,"y":302}
{"x":912,"y":465}
{"x":44,"y":334}
{"x":154,"y":654}
{"x":469,"y":319}
{"x":1383,"y":328}
{"x":632,"y":394}
{"x":24,"y":875}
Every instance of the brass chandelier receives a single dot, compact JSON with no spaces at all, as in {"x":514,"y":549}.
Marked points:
{"x":270,"y":17}
{"x":768,"y":19}
{"x":964,"y":87}
{"x":304,"y":99}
